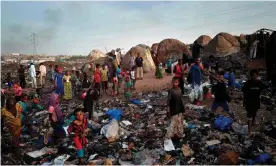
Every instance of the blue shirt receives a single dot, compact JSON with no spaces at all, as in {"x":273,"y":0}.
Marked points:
{"x":231,"y":79}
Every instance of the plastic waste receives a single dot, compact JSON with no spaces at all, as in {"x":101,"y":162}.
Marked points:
{"x":262,"y":158}
{"x":61,"y":159}
{"x":114,"y":114}
{"x":240,"y":129}
{"x":223,"y":123}
{"x":111,"y":130}
{"x":137,"y":102}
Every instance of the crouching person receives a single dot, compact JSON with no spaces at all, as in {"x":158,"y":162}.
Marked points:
{"x":79,"y":127}
{"x":92,"y":96}
{"x":175,"y":111}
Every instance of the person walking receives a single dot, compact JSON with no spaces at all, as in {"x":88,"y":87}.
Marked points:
{"x":32,"y":73}
{"x":43,"y":72}
{"x":131,"y":61}
{"x":21,"y":74}
{"x":139,"y":66}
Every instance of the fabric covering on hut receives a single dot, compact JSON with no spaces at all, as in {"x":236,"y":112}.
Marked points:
{"x":171,"y":48}
{"x":95,"y":54}
{"x":144,"y":52}
{"x":221,"y":45}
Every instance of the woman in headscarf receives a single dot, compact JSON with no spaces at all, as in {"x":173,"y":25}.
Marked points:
{"x":59,"y":82}
{"x":11,"y":118}
{"x":56,"y":119}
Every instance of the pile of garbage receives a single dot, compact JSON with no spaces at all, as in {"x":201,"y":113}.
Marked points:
{"x":128,"y":133}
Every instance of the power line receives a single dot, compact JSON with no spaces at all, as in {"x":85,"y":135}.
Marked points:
{"x":34,"y":42}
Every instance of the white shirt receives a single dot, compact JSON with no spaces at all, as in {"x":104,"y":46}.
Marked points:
{"x":132,"y":75}
{"x":42,"y":70}
{"x":32,"y":71}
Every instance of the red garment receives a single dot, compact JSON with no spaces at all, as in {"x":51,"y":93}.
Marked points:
{"x":97,"y":76}
{"x":79,"y":140}
{"x":178,"y":71}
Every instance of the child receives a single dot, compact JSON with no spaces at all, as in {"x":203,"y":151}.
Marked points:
{"x":158,"y":73}
{"x":35,"y":103}
{"x":119,"y":76}
{"x":175,"y":111}
{"x":9,"y":79}
{"x":251,"y":91}
{"x":17,"y":92}
{"x":127,"y":88}
{"x":67,"y":86}
{"x":85,"y":82}
{"x":77,"y":83}
{"x":79,"y":128}
{"x":97,"y":78}
{"x":132,"y":77}
{"x":104,"y":78}
{"x":231,"y":81}
{"x":221,"y":96}
{"x":11,"y":118}
{"x":115,"y":86}
{"x":23,"y":107}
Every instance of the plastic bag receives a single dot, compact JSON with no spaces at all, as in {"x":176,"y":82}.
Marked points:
{"x":114,"y":114}
{"x":196,"y":93}
{"x":262,"y":158}
{"x":240,"y":129}
{"x":223,"y":123}
{"x":111,"y":130}
{"x":137,"y":102}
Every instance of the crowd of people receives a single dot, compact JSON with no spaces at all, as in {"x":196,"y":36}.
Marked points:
{"x":17,"y":111}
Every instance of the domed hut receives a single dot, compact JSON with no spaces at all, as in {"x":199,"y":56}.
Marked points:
{"x":171,"y":49}
{"x":144,"y":52}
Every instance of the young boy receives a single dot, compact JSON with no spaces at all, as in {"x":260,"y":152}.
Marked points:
{"x":127,"y":88}
{"x":251,"y":91}
{"x":104,"y":78}
{"x":221,"y":96}
{"x":176,"y":108}
{"x":132,"y":77}
{"x":231,"y":81}
{"x":79,"y":127}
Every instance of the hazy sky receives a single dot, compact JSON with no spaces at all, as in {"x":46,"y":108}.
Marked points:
{"x":79,"y":27}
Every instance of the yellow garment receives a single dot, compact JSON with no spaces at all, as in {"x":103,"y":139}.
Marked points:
{"x":104,"y":75}
{"x":67,"y":88}
{"x":11,"y":121}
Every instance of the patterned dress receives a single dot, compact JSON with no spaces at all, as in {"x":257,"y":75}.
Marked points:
{"x":67,"y":87}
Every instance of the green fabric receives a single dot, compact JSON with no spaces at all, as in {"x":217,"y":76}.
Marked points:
{"x":127,"y":86}
{"x":158,"y":73}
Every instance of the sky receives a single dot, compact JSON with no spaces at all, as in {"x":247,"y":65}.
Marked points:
{"x":76,"y":28}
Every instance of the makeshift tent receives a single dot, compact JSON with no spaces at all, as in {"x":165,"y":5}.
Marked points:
{"x":144,"y":53}
{"x":95,"y":54}
{"x":203,"y":40}
{"x":171,"y":48}
{"x":221,"y":45}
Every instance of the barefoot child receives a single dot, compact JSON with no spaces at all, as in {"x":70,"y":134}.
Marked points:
{"x":115,"y":86}
{"x":79,"y":128}
{"x":132,"y":77}
{"x":175,"y":111}
{"x":127,"y":88}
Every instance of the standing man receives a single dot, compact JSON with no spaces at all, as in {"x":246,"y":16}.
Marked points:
{"x":251,"y":92}
{"x":32,"y":74}
{"x":21,"y":74}
{"x":139,"y":66}
{"x":43,"y":71}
